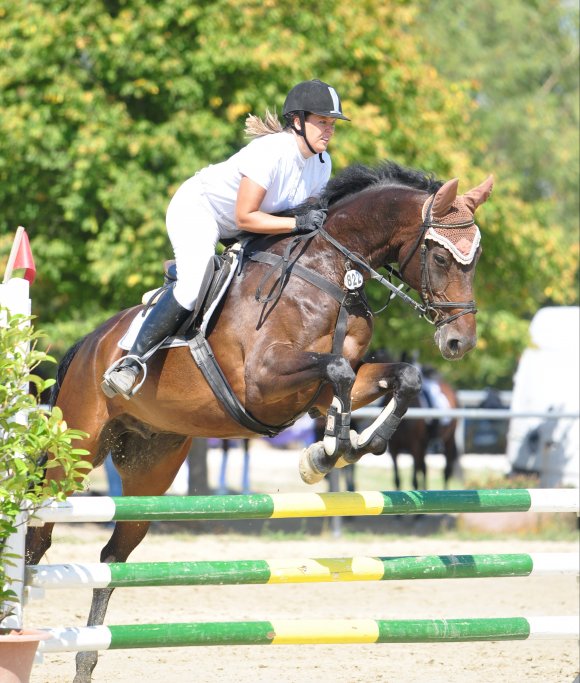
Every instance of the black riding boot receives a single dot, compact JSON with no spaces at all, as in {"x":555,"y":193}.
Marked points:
{"x":164,"y":320}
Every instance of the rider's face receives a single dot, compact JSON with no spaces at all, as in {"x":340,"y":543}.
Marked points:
{"x":319,"y":130}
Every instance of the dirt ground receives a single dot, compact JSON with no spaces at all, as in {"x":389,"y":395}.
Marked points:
{"x":493,"y":662}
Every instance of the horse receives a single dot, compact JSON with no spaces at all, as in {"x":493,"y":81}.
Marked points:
{"x":413,"y":436}
{"x":296,"y":349}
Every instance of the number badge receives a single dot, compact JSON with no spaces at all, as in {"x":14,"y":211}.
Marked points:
{"x":353,"y":280}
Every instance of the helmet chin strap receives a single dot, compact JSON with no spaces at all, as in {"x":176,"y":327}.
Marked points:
{"x":302,"y":132}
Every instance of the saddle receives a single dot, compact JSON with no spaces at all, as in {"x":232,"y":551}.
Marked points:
{"x":218,"y":275}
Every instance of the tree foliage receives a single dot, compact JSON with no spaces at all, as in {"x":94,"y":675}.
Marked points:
{"x":107,"y":106}
{"x":521,"y":59}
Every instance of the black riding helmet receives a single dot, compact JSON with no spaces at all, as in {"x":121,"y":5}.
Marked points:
{"x":315,"y":97}
{"x":311,"y":97}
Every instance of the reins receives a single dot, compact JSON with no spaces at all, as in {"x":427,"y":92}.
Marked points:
{"x":285,"y":265}
{"x":282,"y":264}
{"x":428,"y":308}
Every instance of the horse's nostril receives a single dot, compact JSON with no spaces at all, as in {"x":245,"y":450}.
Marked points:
{"x":454,"y":345}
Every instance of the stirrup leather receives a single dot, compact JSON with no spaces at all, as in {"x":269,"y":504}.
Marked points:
{"x":107,"y":386}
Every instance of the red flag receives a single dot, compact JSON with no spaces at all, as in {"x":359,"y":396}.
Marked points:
{"x":24,"y":258}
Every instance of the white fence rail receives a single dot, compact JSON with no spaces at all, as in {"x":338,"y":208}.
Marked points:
{"x":471,"y":413}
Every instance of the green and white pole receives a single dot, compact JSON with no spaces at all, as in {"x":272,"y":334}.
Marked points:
{"x":307,"y":632}
{"x":299,"y":570}
{"x":297,"y":505}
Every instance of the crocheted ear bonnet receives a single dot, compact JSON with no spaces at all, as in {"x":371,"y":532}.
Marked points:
{"x":462,"y":237}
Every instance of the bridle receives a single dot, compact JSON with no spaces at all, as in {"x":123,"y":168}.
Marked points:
{"x":434,"y":309}
{"x":429,"y":309}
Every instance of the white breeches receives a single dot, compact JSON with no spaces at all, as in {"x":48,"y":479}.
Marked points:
{"x":194,"y":233}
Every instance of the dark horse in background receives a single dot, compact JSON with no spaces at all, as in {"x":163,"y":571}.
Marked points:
{"x":414,"y":436}
{"x":277,"y":353}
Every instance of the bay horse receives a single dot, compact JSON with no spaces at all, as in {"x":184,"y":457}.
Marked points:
{"x":413,"y":436}
{"x":298,"y":349}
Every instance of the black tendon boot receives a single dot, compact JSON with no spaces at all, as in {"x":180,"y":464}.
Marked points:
{"x":164,"y":320}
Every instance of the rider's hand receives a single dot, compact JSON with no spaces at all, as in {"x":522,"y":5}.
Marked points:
{"x":312,"y":220}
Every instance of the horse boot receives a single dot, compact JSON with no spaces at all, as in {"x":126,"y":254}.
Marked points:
{"x":165,"y":318}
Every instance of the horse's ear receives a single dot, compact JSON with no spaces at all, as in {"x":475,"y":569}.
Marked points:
{"x":444,"y":198}
{"x":479,"y":194}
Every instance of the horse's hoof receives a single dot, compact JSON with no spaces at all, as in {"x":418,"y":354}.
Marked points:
{"x":309,"y":473}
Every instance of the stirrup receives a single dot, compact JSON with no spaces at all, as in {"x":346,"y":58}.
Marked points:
{"x":107,"y":387}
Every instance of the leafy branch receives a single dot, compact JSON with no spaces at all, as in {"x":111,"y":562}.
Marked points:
{"x":38,"y":458}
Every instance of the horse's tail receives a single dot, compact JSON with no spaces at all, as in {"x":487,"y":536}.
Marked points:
{"x":61,"y":370}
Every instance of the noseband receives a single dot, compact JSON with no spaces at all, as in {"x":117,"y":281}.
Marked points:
{"x":433,"y":310}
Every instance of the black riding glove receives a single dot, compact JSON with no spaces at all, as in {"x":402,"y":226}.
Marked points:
{"x":310,"y":221}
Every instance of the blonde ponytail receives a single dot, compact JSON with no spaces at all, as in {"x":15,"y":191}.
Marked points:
{"x":257,"y":127}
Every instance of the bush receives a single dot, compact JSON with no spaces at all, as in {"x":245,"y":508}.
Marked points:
{"x":33,"y":439}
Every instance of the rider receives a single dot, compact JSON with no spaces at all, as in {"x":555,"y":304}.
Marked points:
{"x":431,"y":388}
{"x":279,"y":169}
{"x":431,"y":395}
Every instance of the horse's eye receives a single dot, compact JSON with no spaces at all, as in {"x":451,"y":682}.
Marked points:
{"x":440,"y":260}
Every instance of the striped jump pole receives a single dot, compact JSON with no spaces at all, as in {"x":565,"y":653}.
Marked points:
{"x":301,"y":570}
{"x":297,"y":505}
{"x":307,"y":632}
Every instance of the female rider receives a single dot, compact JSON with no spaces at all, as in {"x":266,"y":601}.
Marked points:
{"x":278,"y":170}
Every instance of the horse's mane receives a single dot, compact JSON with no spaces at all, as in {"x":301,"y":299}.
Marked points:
{"x":359,"y":177}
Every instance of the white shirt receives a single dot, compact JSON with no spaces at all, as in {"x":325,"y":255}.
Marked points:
{"x":275,"y":163}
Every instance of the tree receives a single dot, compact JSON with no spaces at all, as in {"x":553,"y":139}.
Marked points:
{"x":111,"y":105}
{"x":106,"y":106}
{"x":521,"y":59}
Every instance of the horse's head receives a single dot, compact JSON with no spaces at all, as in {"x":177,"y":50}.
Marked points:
{"x":375,"y":213}
{"x":440,"y":264}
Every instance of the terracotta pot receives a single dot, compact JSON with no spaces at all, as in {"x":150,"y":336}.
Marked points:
{"x":17,"y":650}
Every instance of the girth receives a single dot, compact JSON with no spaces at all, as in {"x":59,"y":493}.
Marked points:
{"x":206,"y":362}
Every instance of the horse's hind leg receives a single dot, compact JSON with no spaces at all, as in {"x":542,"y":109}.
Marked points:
{"x":126,"y":537}
{"x":38,"y":541}
{"x":39,"y":538}
{"x":152,"y":480}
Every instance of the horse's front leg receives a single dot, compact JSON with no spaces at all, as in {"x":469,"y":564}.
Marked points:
{"x":372,"y":381}
{"x":294,"y":371}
